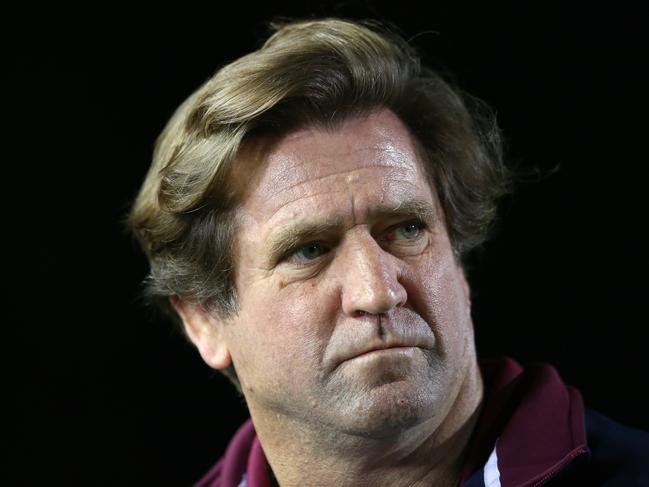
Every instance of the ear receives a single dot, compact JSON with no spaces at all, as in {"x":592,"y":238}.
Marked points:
{"x":205,"y":331}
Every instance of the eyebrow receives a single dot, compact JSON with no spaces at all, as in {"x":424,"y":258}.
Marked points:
{"x":302,"y":232}
{"x":298,"y":233}
{"x":420,"y":209}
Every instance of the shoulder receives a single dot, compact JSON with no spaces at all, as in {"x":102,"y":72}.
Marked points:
{"x":541,"y":430}
{"x":619,"y":453}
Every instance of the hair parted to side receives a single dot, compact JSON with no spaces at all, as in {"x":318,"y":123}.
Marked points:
{"x":308,"y":72}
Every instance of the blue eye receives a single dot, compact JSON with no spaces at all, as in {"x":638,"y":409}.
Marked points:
{"x":310,"y":251}
{"x":407,"y":231}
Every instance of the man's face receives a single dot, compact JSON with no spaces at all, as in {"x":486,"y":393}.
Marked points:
{"x":354,"y":313}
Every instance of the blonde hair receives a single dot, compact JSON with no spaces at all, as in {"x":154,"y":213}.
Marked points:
{"x":307,"y":72}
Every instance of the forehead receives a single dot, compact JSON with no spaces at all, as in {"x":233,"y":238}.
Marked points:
{"x":373,"y":155}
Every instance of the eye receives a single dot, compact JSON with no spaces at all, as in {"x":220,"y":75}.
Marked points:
{"x":308,"y":252}
{"x":407,"y":231}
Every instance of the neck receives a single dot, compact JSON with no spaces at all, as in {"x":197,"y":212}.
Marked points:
{"x":429,"y":453}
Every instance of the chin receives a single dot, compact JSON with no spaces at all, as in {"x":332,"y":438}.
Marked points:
{"x":389,"y":409}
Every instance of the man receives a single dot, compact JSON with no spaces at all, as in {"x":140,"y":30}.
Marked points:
{"x":306,"y":216}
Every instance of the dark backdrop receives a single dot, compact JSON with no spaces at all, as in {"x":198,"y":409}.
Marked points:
{"x":105,"y":394}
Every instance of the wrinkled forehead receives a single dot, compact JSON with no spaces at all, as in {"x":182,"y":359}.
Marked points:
{"x":375,"y":149}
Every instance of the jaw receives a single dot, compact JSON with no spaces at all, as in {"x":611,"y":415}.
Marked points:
{"x":386,"y":434}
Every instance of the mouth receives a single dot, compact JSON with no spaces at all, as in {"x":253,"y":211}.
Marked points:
{"x":386,"y":349}
{"x":382,"y":359}
{"x":406,"y":336}
{"x":382,"y":354}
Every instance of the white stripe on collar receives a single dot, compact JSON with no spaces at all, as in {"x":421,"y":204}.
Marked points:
{"x":491,"y":472}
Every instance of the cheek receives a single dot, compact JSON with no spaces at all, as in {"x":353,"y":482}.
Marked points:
{"x":306,"y":312}
{"x":287,"y":325}
{"x":438,"y":294}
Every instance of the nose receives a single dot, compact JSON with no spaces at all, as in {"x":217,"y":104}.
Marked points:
{"x":370,"y":278}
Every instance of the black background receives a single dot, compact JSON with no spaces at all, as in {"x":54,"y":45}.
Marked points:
{"x":103,"y":393}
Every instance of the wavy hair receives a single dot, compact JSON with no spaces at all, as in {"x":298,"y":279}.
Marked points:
{"x":307,"y":72}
